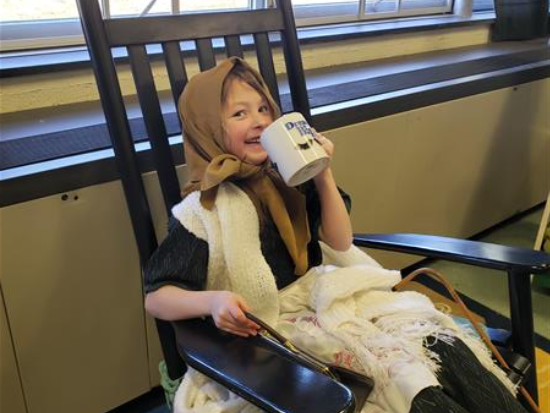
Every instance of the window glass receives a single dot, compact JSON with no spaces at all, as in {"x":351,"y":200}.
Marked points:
{"x":381,"y":6}
{"x":203,"y":5}
{"x":483,"y":5}
{"x":324,"y":8}
{"x":139,"y":7}
{"x":27,"y":10}
{"x":406,"y":7}
{"x":119,"y":8}
{"x":422,"y":4}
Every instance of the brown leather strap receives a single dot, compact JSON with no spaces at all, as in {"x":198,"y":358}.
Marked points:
{"x":439,"y":277}
{"x":302,"y":355}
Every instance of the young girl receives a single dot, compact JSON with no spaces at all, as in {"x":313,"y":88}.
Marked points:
{"x":240,"y":235}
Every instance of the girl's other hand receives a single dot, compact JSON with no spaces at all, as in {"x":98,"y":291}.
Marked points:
{"x":227,"y":310}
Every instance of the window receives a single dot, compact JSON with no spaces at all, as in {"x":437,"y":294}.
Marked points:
{"x":483,"y":5}
{"x":309,"y":12}
{"x":35,"y":24}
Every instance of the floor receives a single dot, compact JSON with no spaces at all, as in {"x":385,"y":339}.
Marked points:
{"x":485,"y":286}
{"x":152,"y":402}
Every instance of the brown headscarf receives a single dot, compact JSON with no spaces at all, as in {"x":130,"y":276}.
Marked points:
{"x":209,"y":164}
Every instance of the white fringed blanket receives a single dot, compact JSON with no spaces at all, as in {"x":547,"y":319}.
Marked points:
{"x":343,"y":311}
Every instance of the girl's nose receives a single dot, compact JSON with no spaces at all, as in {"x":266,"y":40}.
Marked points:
{"x":263,"y":123}
{"x":261,"y":120}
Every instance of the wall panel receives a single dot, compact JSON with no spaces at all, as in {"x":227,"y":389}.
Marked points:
{"x":452,"y":169}
{"x":72,"y":287}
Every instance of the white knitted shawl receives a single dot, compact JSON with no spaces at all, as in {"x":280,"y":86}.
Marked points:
{"x":236,"y":262}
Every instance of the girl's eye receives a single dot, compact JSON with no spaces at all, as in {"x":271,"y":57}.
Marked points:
{"x":238,"y":114}
{"x":264,"y":108}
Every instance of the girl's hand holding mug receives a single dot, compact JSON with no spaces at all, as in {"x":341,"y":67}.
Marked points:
{"x":325,"y":143}
{"x":227,"y":310}
{"x":325,"y":175}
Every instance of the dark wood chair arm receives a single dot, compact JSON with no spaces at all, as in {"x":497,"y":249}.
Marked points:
{"x":258,"y":373}
{"x":500,"y":257}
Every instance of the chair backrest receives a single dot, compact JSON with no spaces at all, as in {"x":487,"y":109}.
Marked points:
{"x":135,"y":34}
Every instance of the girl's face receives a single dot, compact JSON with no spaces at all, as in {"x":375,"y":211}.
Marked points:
{"x":245,"y":114}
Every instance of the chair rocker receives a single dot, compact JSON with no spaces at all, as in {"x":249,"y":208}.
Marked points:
{"x":247,"y":367}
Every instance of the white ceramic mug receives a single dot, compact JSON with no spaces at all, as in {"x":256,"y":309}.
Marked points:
{"x":291,"y":145}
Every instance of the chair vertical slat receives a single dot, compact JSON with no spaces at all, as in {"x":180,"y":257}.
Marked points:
{"x":154,"y":123}
{"x":175,"y":68}
{"x":293,"y":59}
{"x":205,"y":51}
{"x":119,"y":128}
{"x":233,"y":46}
{"x":265,"y":62}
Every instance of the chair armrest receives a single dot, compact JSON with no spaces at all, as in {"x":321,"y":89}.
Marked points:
{"x":257,"y":373}
{"x":481,"y":254}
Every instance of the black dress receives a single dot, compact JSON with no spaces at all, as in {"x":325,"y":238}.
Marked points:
{"x":182,"y":258}
{"x":466,"y":386}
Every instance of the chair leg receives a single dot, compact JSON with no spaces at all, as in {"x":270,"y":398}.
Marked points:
{"x":521,"y":312}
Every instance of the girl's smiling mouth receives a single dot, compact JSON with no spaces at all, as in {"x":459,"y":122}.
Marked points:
{"x":253,"y":141}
